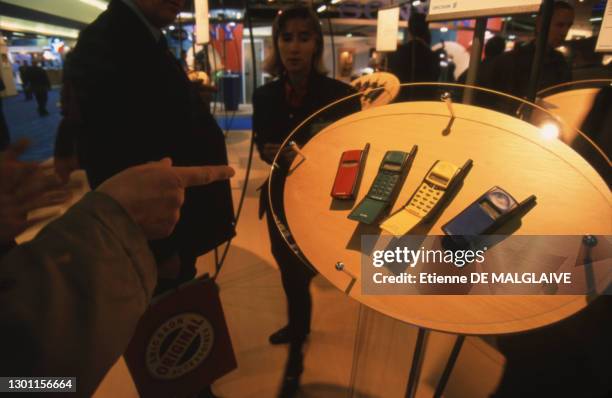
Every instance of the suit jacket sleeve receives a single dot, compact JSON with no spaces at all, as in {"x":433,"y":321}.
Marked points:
{"x":71,"y":298}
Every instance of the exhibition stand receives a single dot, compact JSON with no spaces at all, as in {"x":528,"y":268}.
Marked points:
{"x":522,"y":158}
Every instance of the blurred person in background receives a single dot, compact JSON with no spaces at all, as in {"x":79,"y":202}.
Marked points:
{"x":510,"y":72}
{"x":494,"y":47}
{"x":25,"y":81}
{"x":414,"y":61}
{"x":300,"y":89}
{"x":40,"y":85}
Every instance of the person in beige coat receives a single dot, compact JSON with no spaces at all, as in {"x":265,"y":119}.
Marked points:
{"x":71,"y":298}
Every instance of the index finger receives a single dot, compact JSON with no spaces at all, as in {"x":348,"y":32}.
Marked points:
{"x":202,"y":175}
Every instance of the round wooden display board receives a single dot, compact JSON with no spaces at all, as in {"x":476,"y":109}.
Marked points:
{"x":572,"y":200}
{"x":387,"y":80}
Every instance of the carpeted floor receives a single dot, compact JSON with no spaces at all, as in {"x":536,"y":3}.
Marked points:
{"x":23,"y":122}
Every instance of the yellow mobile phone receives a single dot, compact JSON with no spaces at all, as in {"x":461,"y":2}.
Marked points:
{"x":438,"y":184}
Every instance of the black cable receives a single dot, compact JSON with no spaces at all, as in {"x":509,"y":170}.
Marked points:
{"x":212,"y":77}
{"x":227,"y":124}
{"x":219,"y":263}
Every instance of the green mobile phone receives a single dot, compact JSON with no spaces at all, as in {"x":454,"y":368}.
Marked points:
{"x":387,"y":184}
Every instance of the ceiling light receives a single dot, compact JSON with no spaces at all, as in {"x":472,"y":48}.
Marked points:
{"x":416,"y":3}
{"x":444,"y":29}
{"x":102,"y":5}
{"x":322,"y":8}
{"x":21,"y":25}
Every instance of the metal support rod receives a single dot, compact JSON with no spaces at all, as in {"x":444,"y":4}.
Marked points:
{"x":475,"y":56}
{"x":540,"y":51}
{"x":449,"y":366}
{"x":417,"y":361}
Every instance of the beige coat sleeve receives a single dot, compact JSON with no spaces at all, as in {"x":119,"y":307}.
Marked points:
{"x":70,"y":299}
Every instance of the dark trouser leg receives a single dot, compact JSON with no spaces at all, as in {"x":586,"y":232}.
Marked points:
{"x":41,"y":99}
{"x":296,"y":279}
{"x":296,"y":283}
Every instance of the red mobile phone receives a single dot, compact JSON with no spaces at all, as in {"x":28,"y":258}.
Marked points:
{"x":348,"y":176}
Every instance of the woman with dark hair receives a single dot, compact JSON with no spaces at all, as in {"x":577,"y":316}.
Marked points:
{"x":300,"y":89}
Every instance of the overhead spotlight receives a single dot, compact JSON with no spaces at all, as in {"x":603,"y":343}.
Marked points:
{"x":549,"y":131}
{"x":322,"y":8}
{"x":100,"y":5}
{"x":171,"y":27}
{"x":416,"y":3}
{"x":444,"y":29}
{"x":335,"y":1}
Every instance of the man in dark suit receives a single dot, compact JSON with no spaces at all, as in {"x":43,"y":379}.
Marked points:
{"x":137,"y":105}
{"x":40,"y":85}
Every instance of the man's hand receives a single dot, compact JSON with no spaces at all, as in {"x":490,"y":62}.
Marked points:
{"x":64,"y":166}
{"x":153,"y":193}
{"x":25,"y":187}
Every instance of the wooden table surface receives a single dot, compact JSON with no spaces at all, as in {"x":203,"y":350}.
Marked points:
{"x":572,"y":200}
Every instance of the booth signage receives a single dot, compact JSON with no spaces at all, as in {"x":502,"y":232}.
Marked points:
{"x":444,"y":10}
{"x":604,"y":41}
{"x":387,"y":29}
